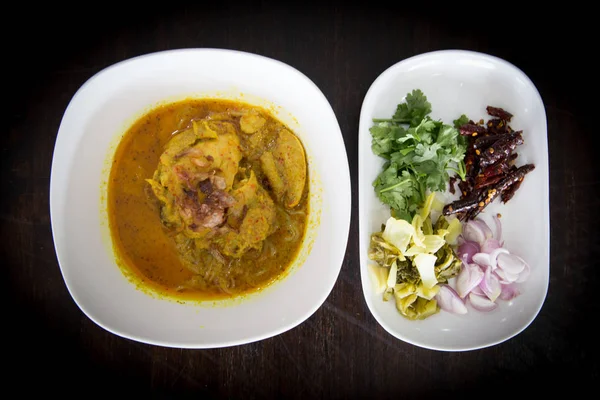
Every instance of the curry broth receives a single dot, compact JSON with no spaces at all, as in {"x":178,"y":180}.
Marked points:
{"x":147,"y":248}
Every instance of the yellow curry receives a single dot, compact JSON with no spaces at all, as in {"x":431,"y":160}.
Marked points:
{"x":208,"y":198}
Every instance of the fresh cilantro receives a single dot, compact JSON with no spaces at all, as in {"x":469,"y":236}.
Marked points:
{"x":384,"y":137}
{"x":414,"y":109}
{"x":461,"y":121}
{"x":421,"y":152}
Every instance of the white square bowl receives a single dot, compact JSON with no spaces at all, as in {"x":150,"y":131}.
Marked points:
{"x":100,"y":113}
{"x":462,"y":82}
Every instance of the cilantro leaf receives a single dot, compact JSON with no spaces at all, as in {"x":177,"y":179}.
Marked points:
{"x":424,"y":130}
{"x":461,"y":121}
{"x":393,"y":189}
{"x":425,"y":152}
{"x":384,"y":138}
{"x":414,"y":109}
{"x":381,"y":142}
{"x":447,"y":136}
{"x":399,"y":190}
{"x":403,"y":158}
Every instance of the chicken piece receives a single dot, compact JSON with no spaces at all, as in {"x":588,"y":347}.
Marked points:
{"x":270,"y":169}
{"x":203,"y":157}
{"x":207,"y":214}
{"x":191,"y":159}
{"x":256,"y":211}
{"x":202,"y":199}
{"x":285,"y":168}
{"x":203,"y":130}
{"x":251,"y":122}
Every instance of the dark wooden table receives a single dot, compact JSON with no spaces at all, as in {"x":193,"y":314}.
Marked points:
{"x":340,"y":351}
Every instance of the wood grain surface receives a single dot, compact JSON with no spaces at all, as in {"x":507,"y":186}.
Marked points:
{"x":340,"y":352}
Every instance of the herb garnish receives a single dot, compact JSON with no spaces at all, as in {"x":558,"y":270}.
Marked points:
{"x":420,"y":153}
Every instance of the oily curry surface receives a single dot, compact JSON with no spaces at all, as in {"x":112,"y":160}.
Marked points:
{"x":207,"y":199}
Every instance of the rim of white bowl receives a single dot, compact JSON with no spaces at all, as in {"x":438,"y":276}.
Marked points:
{"x":345,"y":172}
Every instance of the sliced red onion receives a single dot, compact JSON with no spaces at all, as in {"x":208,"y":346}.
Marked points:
{"x":481,"y":303}
{"x":510,"y":263}
{"x":509,"y":291}
{"x":490,"y":245}
{"x":467,"y":249}
{"x":470,"y":276}
{"x":498,"y":235}
{"x":505,"y":277}
{"x":490,"y":285}
{"x":494,"y":256}
{"x":524,"y":274}
{"x":473,"y":231}
{"x":483,"y":259}
{"x":487,"y":232}
{"x":448,"y":300}
{"x":477,"y":290}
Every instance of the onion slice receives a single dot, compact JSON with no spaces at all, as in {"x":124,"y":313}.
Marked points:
{"x":490,"y":285}
{"x":509,"y":292}
{"x":473,"y":232}
{"x":448,"y":300}
{"x":524,"y":274}
{"x":498,"y":234}
{"x":505,"y":277}
{"x":477,"y":290}
{"x":483,"y":259}
{"x":470,"y":276}
{"x":510,"y":263}
{"x":494,"y":256}
{"x":467,"y":249}
{"x":487,"y":232}
{"x":481,"y":303}
{"x":490,"y":245}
